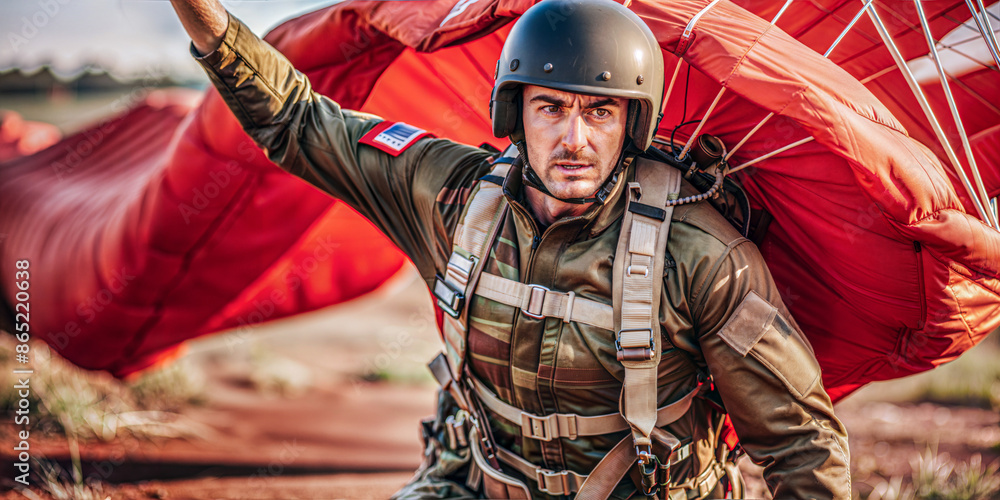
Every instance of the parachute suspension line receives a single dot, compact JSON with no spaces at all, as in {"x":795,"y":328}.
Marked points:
{"x":780,"y":12}
{"x":686,"y":39}
{"x":848,"y":29}
{"x":983,"y":23}
{"x":694,"y":136}
{"x":954,"y":113}
{"x":670,"y":87}
{"x":836,"y":42}
{"x":694,"y":20}
{"x":925,"y":106}
{"x":876,"y":75}
{"x":750,"y":133}
{"x":992,"y":107}
{"x":701,"y":123}
{"x":772,"y":153}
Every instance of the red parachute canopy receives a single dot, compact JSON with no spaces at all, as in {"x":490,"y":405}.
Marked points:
{"x":19,"y":137}
{"x":872,"y":244}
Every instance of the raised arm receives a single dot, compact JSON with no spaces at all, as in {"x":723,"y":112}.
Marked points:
{"x":205,"y":22}
{"x":405,"y":193}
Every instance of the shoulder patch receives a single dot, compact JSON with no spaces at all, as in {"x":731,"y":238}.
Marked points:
{"x":393,"y":137}
{"x":749,"y":323}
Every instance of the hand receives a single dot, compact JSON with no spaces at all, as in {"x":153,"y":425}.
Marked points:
{"x":205,"y":21}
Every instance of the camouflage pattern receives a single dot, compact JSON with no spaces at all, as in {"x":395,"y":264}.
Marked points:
{"x":762,"y":365}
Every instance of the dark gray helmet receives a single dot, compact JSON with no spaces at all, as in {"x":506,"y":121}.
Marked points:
{"x":595,"y":47}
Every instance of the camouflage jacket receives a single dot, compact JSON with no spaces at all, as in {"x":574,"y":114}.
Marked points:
{"x":711,"y":315}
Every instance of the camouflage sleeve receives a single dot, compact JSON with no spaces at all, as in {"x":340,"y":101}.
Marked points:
{"x":765,"y":370}
{"x":414,"y":198}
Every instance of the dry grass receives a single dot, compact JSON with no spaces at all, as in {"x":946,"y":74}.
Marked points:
{"x":61,"y":485}
{"x":89,"y":405}
{"x":86,"y":406}
{"x":936,"y":477}
{"x":274,"y":375}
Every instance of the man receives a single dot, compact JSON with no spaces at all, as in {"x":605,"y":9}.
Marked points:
{"x":578,"y":90}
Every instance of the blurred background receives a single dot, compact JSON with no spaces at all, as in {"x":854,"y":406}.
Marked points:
{"x":66,"y":62}
{"x":326,"y":405}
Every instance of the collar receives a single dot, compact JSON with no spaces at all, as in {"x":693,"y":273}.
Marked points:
{"x":596,"y":219}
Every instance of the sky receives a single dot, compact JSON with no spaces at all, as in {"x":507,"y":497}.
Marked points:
{"x":129,"y":38}
{"x":135,"y":38}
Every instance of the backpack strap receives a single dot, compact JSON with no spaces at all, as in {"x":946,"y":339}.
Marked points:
{"x":638,"y":280}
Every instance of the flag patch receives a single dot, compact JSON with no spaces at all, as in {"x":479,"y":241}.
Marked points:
{"x":393,"y":137}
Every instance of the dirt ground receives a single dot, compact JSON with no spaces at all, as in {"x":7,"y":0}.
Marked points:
{"x":349,"y":427}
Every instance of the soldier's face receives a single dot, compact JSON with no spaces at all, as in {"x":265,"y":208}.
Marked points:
{"x":573,"y":141}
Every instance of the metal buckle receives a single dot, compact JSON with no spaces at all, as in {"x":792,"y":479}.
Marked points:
{"x":531,"y":295}
{"x":648,"y":467}
{"x":552,"y":482}
{"x":449,"y":298}
{"x":461,"y":264}
{"x":679,"y":454}
{"x":618,"y":336}
{"x":457,"y":431}
{"x":536,"y":427}
{"x":645,"y":271}
{"x":645,"y":455}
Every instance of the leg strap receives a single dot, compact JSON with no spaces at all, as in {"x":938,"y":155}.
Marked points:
{"x":567,"y":482}
{"x":612,"y":468}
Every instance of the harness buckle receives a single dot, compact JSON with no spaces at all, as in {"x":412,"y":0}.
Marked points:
{"x":643,"y":269}
{"x":649,"y":466}
{"x":629,"y":339}
{"x":635,"y":344}
{"x":536,"y":299}
{"x":449,"y":298}
{"x":540,"y":428}
{"x":455,"y":426}
{"x":553,"y":483}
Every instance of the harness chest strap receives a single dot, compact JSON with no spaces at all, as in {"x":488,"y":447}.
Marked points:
{"x":571,"y":425}
{"x":566,"y":482}
{"x":538,"y":302}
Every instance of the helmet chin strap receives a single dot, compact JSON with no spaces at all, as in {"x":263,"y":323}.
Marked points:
{"x":531,"y":179}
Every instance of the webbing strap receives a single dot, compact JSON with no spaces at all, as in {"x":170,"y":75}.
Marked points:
{"x":472,"y":233}
{"x":701,"y":485}
{"x":571,"y":425}
{"x":538,"y":301}
{"x":473,"y":238}
{"x":612,"y":468}
{"x":636,"y":294}
{"x":608,"y":472}
{"x":566,"y":482}
{"x":562,"y":482}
